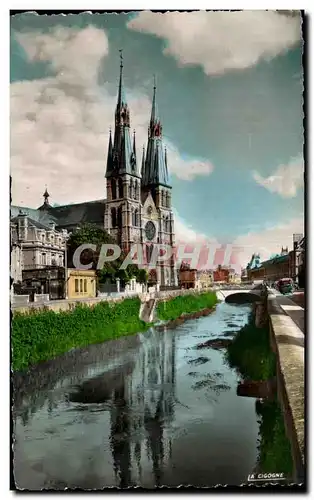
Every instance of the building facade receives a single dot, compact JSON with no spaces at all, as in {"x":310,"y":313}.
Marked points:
{"x":138,"y":209}
{"x":81,"y":283}
{"x":37,"y":256}
{"x":221,"y":274}
{"x":279,"y":266}
{"x":41,"y":245}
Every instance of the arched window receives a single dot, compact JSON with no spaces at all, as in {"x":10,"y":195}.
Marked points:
{"x":133,"y":217}
{"x":119,"y":217}
{"x":162,"y":198}
{"x":131,"y":189}
{"x":113,"y":189}
{"x":113,"y":217}
{"x":135,"y":190}
{"x":137,"y":218}
{"x":120,"y":187}
{"x":167,"y":224}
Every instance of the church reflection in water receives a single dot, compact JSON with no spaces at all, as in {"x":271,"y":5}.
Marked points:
{"x":142,"y":410}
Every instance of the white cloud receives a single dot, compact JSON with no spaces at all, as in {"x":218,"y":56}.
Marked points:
{"x":60,"y":124}
{"x":185,"y":233}
{"x":286,"y":180}
{"x":221,"y":41}
{"x":268,"y":241}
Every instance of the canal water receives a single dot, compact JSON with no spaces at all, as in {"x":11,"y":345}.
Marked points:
{"x":145,"y":410}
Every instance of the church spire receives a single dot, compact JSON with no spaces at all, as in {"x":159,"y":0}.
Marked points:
{"x":143,"y":163}
{"x":155,"y":171}
{"x":121,"y":153}
{"x":121,"y":95}
{"x":155,"y":128}
{"x":46,"y":197}
{"x":45,"y":205}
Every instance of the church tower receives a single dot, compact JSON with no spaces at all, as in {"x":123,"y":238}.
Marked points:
{"x":123,"y":204}
{"x":158,"y":224}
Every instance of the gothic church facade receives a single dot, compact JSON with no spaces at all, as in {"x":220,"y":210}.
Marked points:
{"x":138,"y":207}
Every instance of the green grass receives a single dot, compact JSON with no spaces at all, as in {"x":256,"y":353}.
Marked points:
{"x":41,"y":336}
{"x":274,"y":447}
{"x":250,"y":353}
{"x":185,"y":304}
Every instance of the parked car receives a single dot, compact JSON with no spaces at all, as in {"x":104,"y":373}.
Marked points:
{"x":285,"y":286}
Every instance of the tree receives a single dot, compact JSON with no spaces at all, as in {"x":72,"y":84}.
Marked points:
{"x":92,"y":234}
{"x":88,"y":234}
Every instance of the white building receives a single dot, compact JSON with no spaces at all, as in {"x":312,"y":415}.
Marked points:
{"x":34,"y":245}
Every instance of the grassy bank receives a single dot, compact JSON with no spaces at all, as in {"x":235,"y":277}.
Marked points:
{"x":251,"y":355}
{"x":41,"y":336}
{"x":185,"y":304}
{"x":274,"y":447}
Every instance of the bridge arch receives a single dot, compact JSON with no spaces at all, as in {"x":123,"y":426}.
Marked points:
{"x":242,"y":298}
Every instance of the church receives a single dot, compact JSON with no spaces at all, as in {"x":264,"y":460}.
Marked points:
{"x":138,"y":207}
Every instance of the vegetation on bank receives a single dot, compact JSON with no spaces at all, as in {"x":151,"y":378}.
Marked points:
{"x":41,"y":336}
{"x":251,"y":355}
{"x":185,"y":304}
{"x":274,"y":446}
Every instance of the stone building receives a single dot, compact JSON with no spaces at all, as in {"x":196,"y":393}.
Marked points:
{"x":273,"y":269}
{"x":40,"y":245}
{"x":138,"y":207}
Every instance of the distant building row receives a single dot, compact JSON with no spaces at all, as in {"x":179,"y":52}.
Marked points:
{"x":192,"y":278}
{"x":288,"y":264}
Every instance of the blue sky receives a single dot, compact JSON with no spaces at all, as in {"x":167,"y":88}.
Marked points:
{"x":229,"y":90}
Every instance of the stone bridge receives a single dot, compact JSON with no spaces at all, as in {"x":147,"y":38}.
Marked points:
{"x":239,"y":295}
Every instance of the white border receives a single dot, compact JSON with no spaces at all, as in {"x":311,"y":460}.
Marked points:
{"x":4,"y":184}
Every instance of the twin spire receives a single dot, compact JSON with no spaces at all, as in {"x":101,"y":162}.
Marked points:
{"x":122,"y":150}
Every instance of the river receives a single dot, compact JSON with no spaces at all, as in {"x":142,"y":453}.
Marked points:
{"x":144,"y":410}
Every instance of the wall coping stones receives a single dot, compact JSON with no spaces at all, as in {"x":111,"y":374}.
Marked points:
{"x":288,"y":343}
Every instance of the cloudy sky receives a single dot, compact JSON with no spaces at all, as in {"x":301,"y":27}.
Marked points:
{"x":229,"y":88}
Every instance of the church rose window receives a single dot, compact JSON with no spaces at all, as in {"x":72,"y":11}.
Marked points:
{"x":150,"y":230}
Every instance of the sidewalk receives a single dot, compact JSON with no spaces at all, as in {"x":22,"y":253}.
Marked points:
{"x":290,"y":305}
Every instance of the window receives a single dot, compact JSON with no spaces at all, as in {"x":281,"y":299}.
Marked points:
{"x":76,"y":286}
{"x":81,"y":286}
{"x":137,"y":218}
{"x":85,"y":286}
{"x":43,"y":237}
{"x":43,"y":259}
{"x":119,"y":217}
{"x":120,"y":188}
{"x":113,"y":217}
{"x":113,"y":189}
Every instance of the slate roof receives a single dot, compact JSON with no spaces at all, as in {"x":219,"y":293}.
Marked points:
{"x":79,"y":213}
{"x":33,"y":213}
{"x":65,"y":216}
{"x":34,"y":223}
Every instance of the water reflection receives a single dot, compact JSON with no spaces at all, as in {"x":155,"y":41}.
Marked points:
{"x":136,"y":411}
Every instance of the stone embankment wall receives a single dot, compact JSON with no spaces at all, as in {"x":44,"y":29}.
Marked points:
{"x":65,"y":305}
{"x":287,"y":341}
